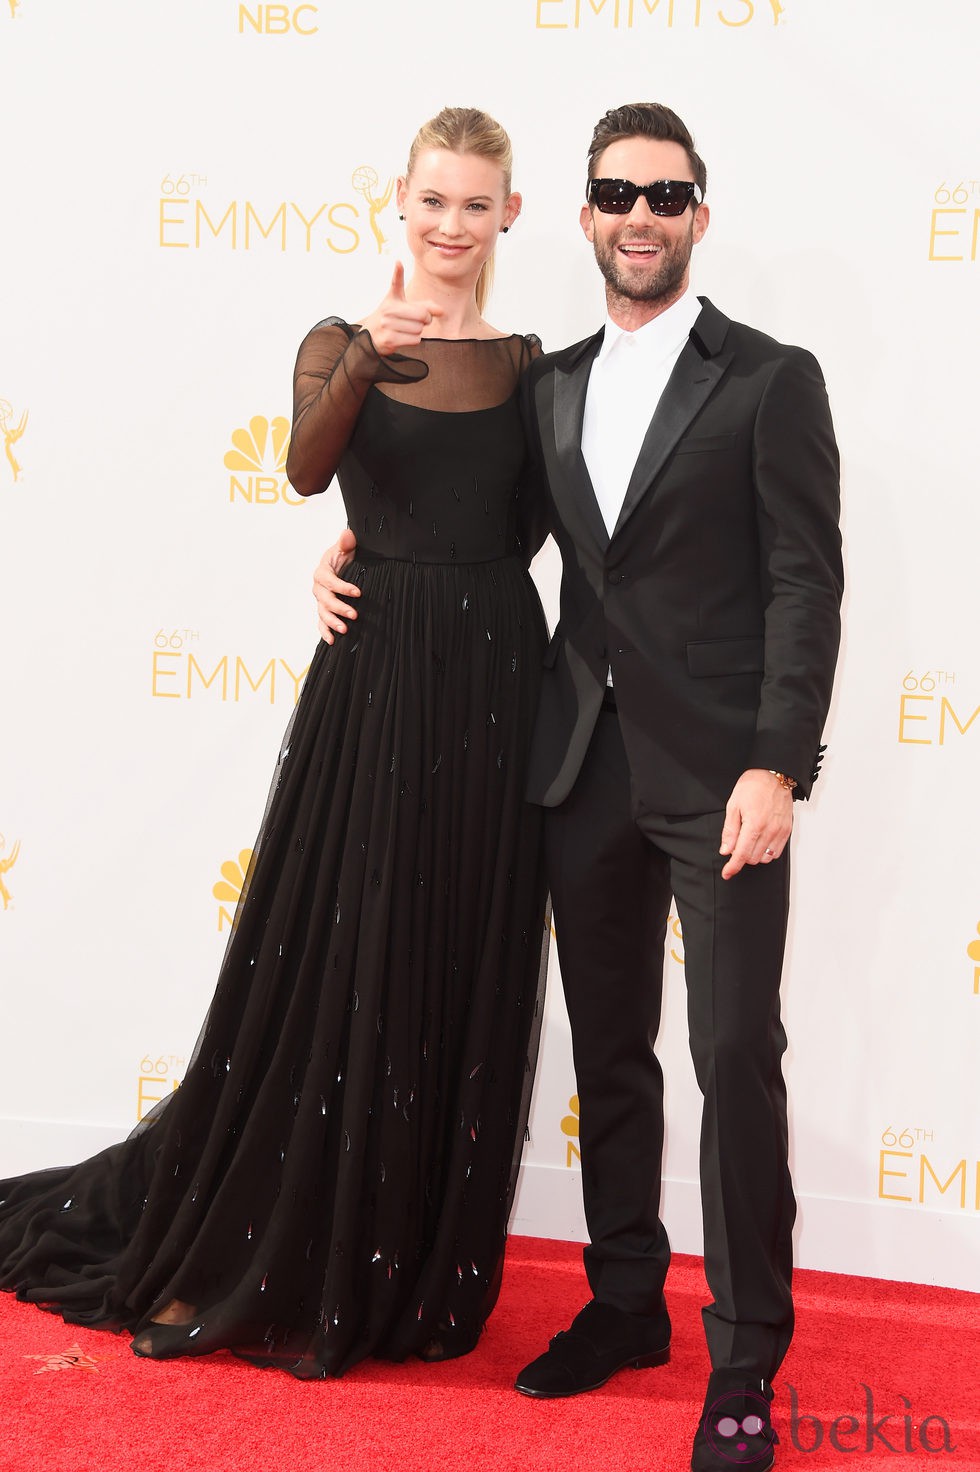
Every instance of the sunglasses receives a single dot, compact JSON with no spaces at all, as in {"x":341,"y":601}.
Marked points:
{"x":664,"y":196}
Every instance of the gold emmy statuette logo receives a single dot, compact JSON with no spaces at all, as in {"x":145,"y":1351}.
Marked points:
{"x":231,"y":886}
{"x":73,"y":1358}
{"x":973,"y":951}
{"x":365,"y":180}
{"x":260,"y":454}
{"x":11,"y":434}
{"x":14,"y":7}
{"x":7,"y":862}
{"x":569,"y":1127}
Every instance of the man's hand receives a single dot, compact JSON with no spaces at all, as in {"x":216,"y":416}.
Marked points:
{"x":758,"y":821}
{"x":329,"y":589}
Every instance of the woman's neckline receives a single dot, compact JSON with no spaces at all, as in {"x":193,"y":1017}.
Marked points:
{"x":505,"y":337}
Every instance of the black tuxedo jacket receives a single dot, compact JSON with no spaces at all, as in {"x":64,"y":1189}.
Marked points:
{"x":716,"y":601}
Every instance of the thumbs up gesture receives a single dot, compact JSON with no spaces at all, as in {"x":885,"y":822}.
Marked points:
{"x":397,"y":322}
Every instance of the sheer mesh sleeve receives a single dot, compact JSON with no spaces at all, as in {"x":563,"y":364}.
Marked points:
{"x":335,"y":366}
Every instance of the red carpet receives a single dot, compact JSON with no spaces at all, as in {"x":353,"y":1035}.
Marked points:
{"x":76,"y":1401}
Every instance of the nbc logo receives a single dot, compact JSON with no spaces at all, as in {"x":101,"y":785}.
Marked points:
{"x":231,"y":885}
{"x":257,"y":461}
{"x":278,"y":20}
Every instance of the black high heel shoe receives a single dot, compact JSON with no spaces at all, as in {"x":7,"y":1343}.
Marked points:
{"x":448,"y":1343}
{"x":166,"y":1341}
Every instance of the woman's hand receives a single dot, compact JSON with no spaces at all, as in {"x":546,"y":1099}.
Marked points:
{"x":398,"y":323}
{"x":329,"y":589}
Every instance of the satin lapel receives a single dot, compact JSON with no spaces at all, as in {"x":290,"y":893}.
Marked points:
{"x":692,"y":382}
{"x":568,"y":474}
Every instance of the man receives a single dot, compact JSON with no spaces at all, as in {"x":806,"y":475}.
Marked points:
{"x":692,"y":475}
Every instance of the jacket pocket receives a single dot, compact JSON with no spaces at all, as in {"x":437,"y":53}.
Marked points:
{"x":694,"y":443}
{"x":726,"y":657}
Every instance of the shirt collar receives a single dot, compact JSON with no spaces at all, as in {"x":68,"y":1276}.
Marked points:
{"x":658,"y":338}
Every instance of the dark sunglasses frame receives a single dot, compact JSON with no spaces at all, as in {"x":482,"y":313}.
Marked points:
{"x":664,"y":196}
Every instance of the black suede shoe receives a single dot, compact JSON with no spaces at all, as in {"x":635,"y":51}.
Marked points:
{"x":600,"y":1341}
{"x":735,"y":1429}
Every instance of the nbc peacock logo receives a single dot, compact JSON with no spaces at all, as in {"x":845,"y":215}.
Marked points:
{"x":7,"y":862}
{"x":231,"y":886}
{"x":257,"y":461}
{"x":11,"y":430}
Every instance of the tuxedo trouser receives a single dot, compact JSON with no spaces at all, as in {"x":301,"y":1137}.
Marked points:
{"x":612,"y":872}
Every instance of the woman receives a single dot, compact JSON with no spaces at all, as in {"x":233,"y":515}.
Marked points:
{"x":333,"y":1178}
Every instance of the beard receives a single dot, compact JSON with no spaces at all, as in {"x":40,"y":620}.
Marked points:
{"x":641,"y":283}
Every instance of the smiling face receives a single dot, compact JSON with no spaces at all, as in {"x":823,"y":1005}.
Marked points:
{"x":644,"y":257}
{"x":455,"y":205}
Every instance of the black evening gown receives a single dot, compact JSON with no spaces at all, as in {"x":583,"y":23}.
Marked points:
{"x":333,"y":1178}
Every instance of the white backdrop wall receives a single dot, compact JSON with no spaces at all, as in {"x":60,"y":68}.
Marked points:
{"x":187,"y":188}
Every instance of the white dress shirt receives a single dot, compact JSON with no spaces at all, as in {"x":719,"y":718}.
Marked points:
{"x":628,"y":376}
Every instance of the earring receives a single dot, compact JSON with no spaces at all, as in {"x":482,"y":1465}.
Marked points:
{"x":504,"y":229}
{"x":401,"y":217}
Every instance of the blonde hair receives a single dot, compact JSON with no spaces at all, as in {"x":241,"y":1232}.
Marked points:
{"x":467,"y":130}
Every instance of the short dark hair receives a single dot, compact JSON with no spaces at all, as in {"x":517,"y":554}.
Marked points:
{"x":646,"y":120}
